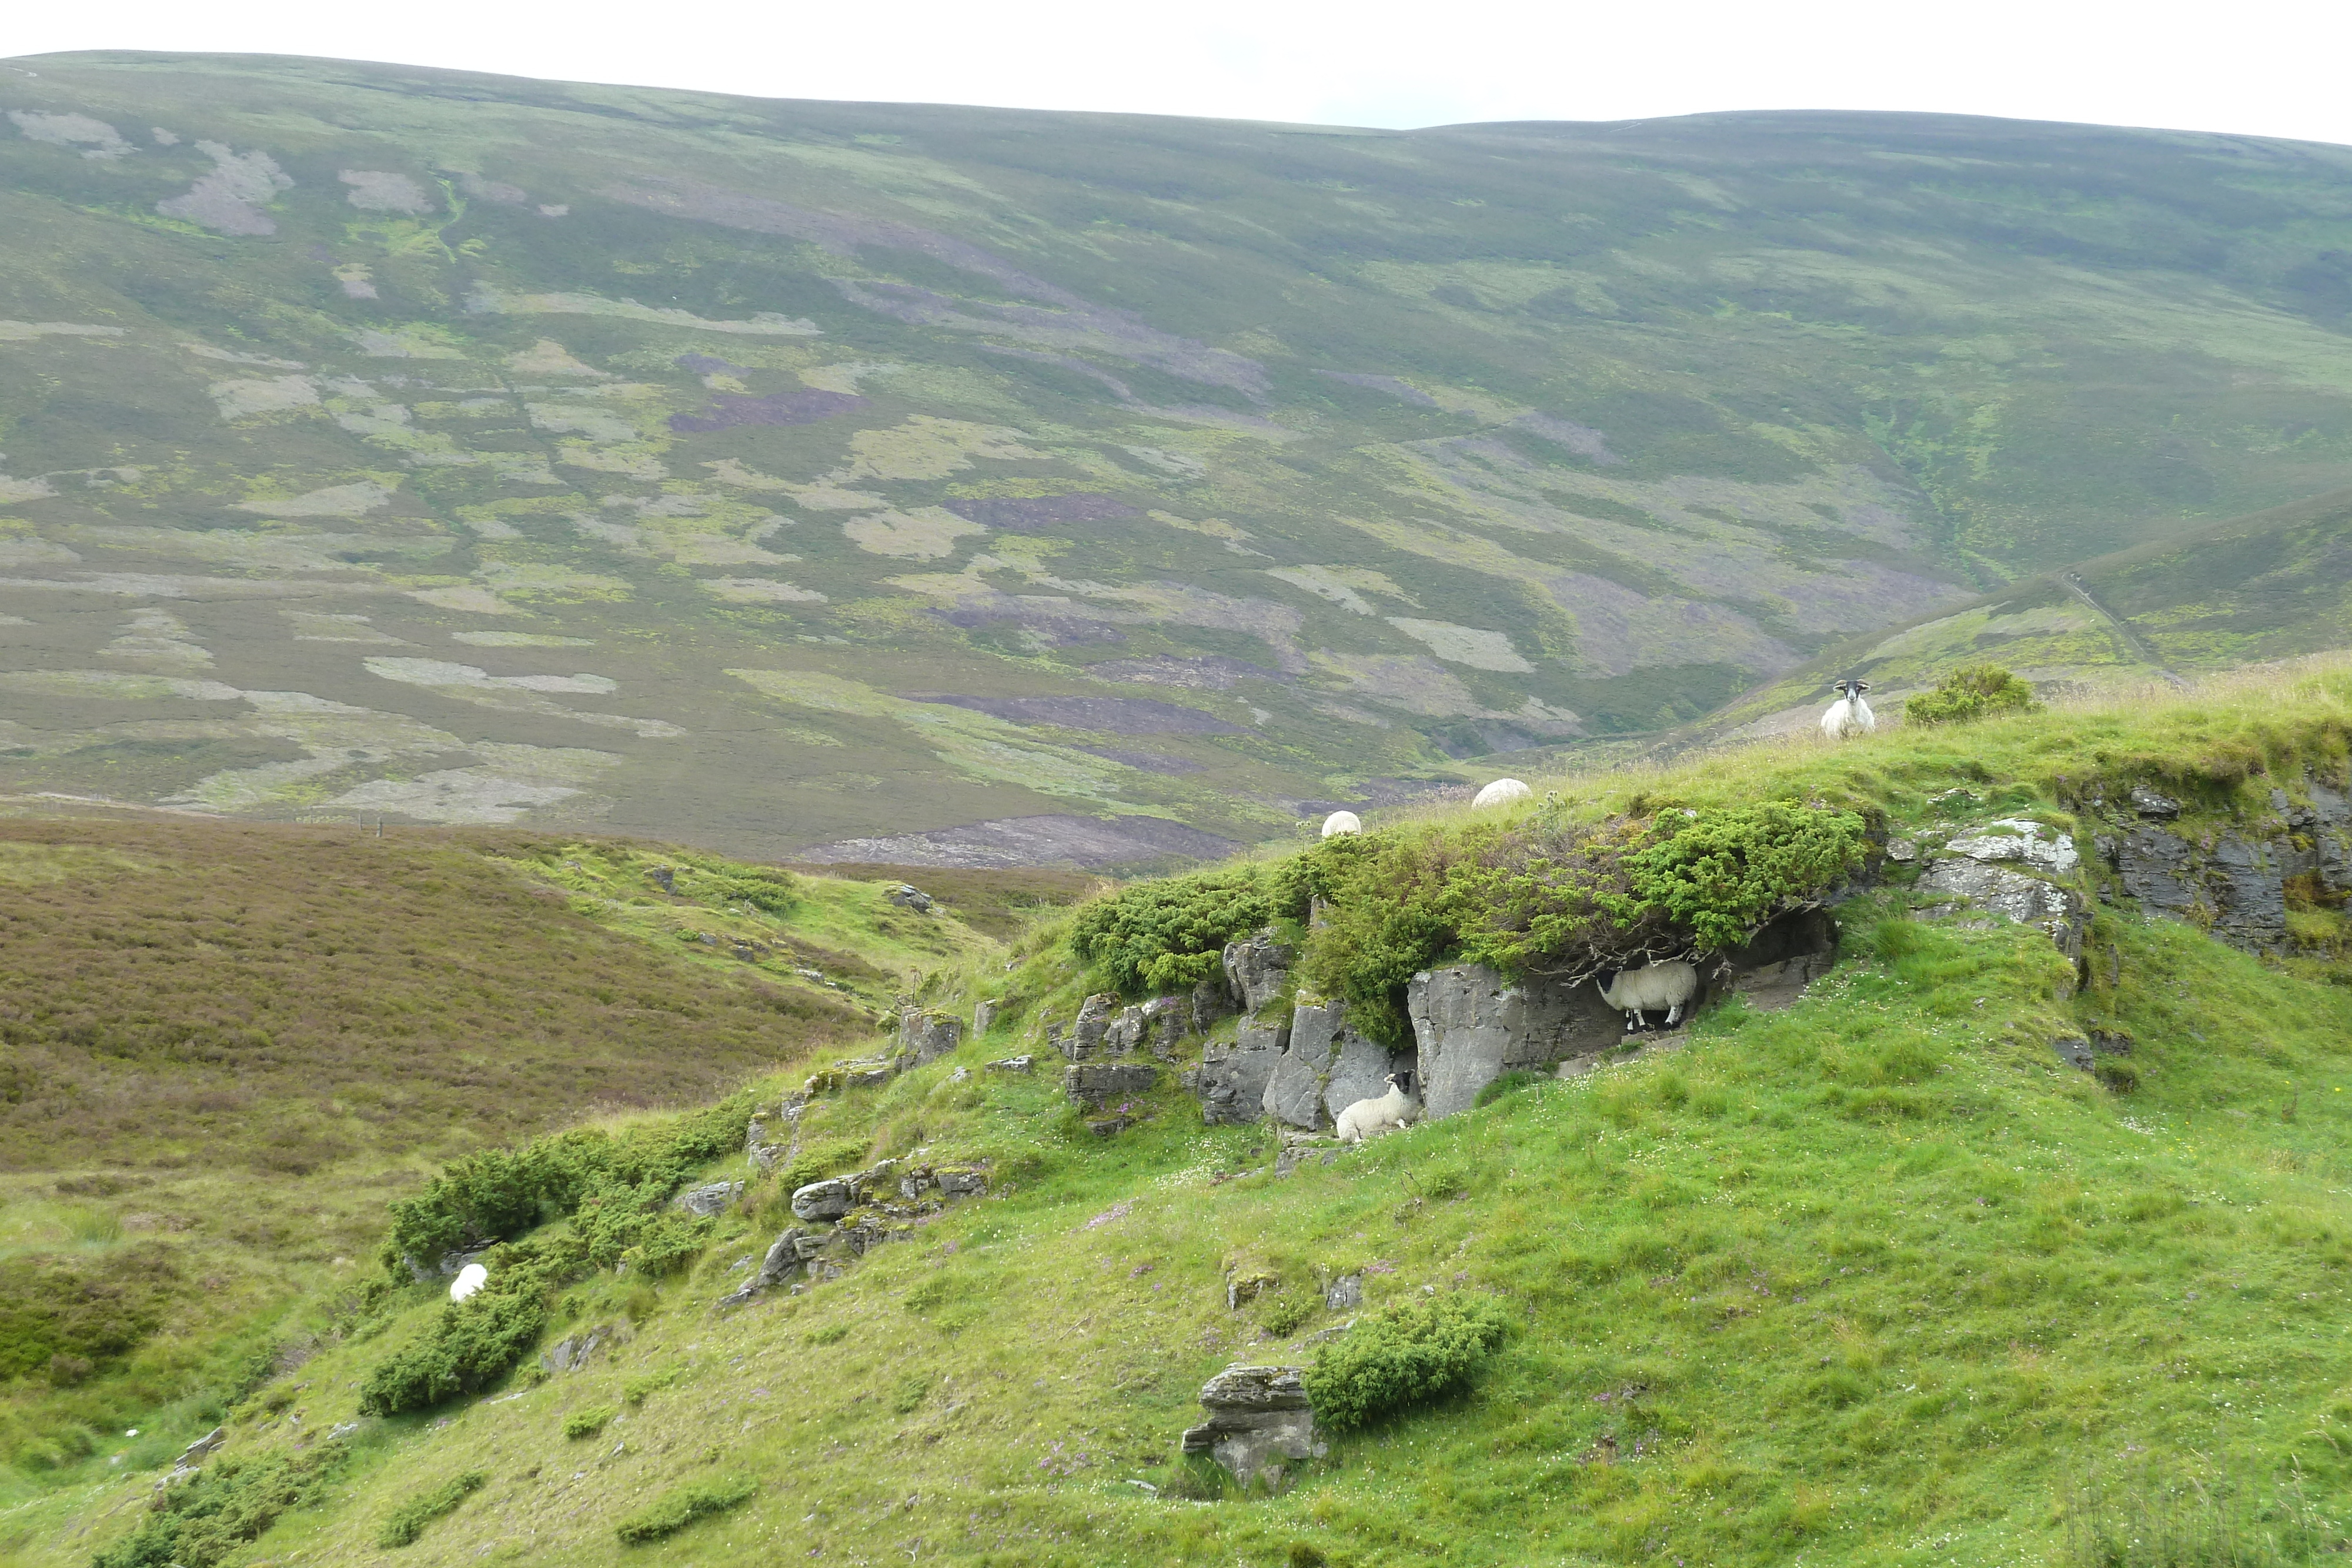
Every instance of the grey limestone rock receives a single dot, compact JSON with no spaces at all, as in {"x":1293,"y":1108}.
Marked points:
{"x":1294,"y":1087}
{"x":985,"y":1016}
{"x":1472,"y":1026}
{"x":784,"y":1257}
{"x":1257,"y":969}
{"x":1166,"y":1020}
{"x":1259,"y":1419}
{"x":703,"y":1202}
{"x":1022,"y":1063}
{"x":961,"y":1182}
{"x":2060,"y":912}
{"x":824,"y":1199}
{"x":1085,"y":1037}
{"x":1124,"y":1036}
{"x":1232,"y":1078}
{"x":926,"y":1036}
{"x":2234,"y":885}
{"x":2148,"y":803}
{"x":571,"y":1354}
{"x":1098,"y":1086}
{"x":1345,"y":1295}
{"x":908,"y":896}
{"x":2022,"y":840}
{"x":1210,"y":1001}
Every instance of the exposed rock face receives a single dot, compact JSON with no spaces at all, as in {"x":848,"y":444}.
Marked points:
{"x":1258,"y":1419}
{"x":1233,"y":1078}
{"x":572,"y":1354}
{"x":1098,"y":1086}
{"x":2020,"y":839}
{"x":2148,"y":803}
{"x":1294,"y":1087}
{"x":1257,"y":969}
{"x":2234,"y":885}
{"x":1166,"y":1020}
{"x":926,"y":1036}
{"x":1210,"y":1001}
{"x":1774,"y":968}
{"x":784,"y":1258}
{"x":1086,"y":1038}
{"x":1345,"y":1295}
{"x":704,"y":1202}
{"x":1022,"y":1063}
{"x":1124,"y":1037}
{"x":985,"y":1016}
{"x":2059,"y":910}
{"x":1472,"y":1026}
{"x":824,"y":1199}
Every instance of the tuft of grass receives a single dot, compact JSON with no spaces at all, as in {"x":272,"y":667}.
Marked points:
{"x":587,"y":1422}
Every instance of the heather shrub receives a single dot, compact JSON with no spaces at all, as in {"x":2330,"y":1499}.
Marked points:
{"x":223,"y":1507}
{"x":675,"y":1510}
{"x":407,"y":1521}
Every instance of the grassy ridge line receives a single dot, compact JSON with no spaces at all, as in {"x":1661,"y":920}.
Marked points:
{"x":1869,"y":1279}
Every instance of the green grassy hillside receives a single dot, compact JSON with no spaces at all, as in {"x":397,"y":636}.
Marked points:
{"x":981,"y":487}
{"x":224,"y":1049}
{"x":1875,"y":1278}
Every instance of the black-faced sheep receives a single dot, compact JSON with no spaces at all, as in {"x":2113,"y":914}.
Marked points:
{"x":1849,"y":715}
{"x":1671,"y":985}
{"x":1392,"y":1111}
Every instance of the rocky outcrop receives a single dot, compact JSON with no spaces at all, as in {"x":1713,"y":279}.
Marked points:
{"x":1096,"y":1086}
{"x":985,"y":1015}
{"x":1325,"y":1068}
{"x":906,"y":896}
{"x":827,"y":1199}
{"x":1773,"y":968}
{"x":710,"y":1200}
{"x":1232,"y":1078}
{"x":925,"y":1036}
{"x":785,"y":1257}
{"x":1471,"y":1026}
{"x":1257,"y":970}
{"x":2019,"y":840}
{"x":571,"y":1354}
{"x":2233,"y":881}
{"x":1259,"y":1420}
{"x":2059,"y":911}
{"x":1084,"y":1039}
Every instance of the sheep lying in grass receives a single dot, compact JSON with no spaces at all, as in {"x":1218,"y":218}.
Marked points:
{"x":470,"y":1278}
{"x":1393,"y":1111}
{"x":1501,"y":792}
{"x":1340,"y":824}
{"x":1670,"y":984}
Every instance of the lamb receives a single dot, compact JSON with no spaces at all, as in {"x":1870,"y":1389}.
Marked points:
{"x":1501,"y":792}
{"x":1849,"y":715}
{"x":470,"y":1278}
{"x":1670,"y":984}
{"x":1339,"y":822}
{"x":1394,"y":1110}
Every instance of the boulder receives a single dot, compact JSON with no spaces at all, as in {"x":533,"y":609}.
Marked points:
{"x":961,"y":1181}
{"x":1294,"y":1089}
{"x":1098,"y":1086}
{"x":2148,"y":803}
{"x":1124,"y":1035}
{"x":1345,"y":1295}
{"x":908,"y":896}
{"x":1022,"y":1063}
{"x":985,"y":1016}
{"x":926,"y":1036}
{"x":1085,"y":1037}
{"x":1210,"y":1001}
{"x":1233,"y":1078}
{"x":1258,"y":1419}
{"x":824,"y":1199}
{"x":784,"y":1257}
{"x":2060,"y":912}
{"x":1256,"y":969}
{"x":1166,"y":1021}
{"x":1471,"y":1026}
{"x":572,"y":1354}
{"x":707,"y":1201}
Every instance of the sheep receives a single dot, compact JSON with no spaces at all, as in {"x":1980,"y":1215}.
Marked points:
{"x":1501,"y":792}
{"x":1343,"y":823}
{"x":1849,"y":715}
{"x":1670,"y":984}
{"x":1395,"y":1109}
{"x":470,"y":1278}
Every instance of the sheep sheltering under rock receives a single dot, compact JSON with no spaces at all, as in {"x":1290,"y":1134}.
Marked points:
{"x":1670,"y":984}
{"x":470,"y":1278}
{"x":1341,"y":822}
{"x":1393,"y":1111}
{"x":1849,"y":715}
{"x":1501,"y":792}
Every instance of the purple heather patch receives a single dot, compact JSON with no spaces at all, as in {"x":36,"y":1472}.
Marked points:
{"x":1389,"y":385}
{"x":1094,"y":843}
{"x":705,"y":365}
{"x":779,"y":408}
{"x":1040,"y":514}
{"x":1213,"y":674}
{"x":1111,"y":715}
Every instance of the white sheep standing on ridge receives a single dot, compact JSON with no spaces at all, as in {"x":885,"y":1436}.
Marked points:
{"x":1343,"y":823}
{"x":1671,"y":984}
{"x":1392,"y":1111}
{"x":1501,"y":792}
{"x":1849,"y":715}
{"x":470,"y":1278}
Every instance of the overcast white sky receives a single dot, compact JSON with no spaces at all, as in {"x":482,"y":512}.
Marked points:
{"x":2271,"y":67}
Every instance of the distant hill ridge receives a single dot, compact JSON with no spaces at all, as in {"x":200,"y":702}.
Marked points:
{"x":1000,"y":486}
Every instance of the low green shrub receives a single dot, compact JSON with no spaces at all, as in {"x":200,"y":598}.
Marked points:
{"x":1977,"y":691}
{"x":1286,"y":1313}
{"x":1410,"y":1352}
{"x":1510,"y":1083}
{"x":675,"y":1509}
{"x":1168,"y":935}
{"x":586,"y":1423}
{"x":471,"y":1346}
{"x":407,"y":1521}
{"x":223,"y":1507}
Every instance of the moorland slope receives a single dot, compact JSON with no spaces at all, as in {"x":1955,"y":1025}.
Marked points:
{"x":977,"y":487}
{"x":1877,"y":1276}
